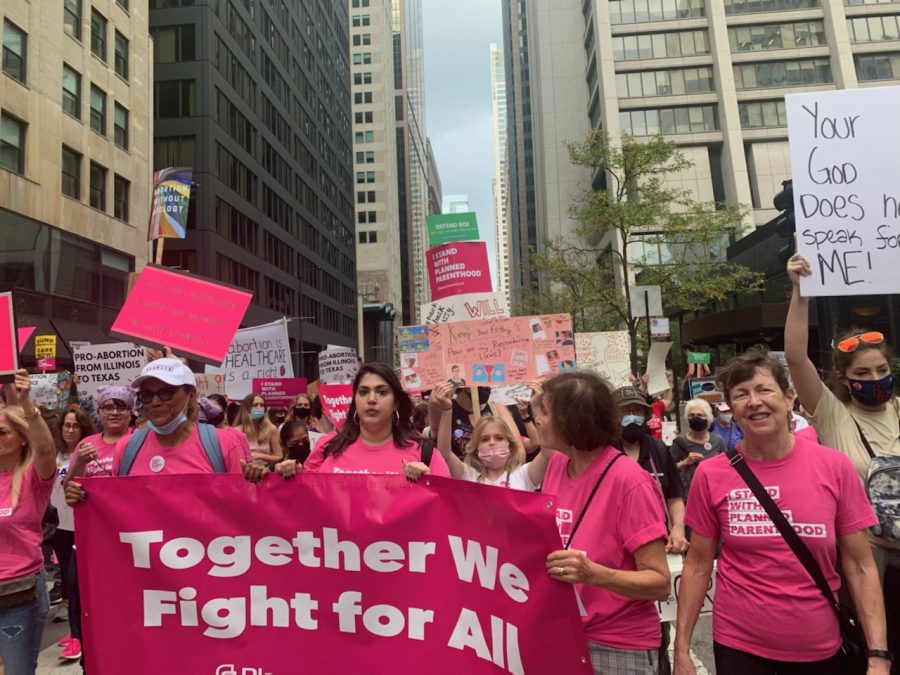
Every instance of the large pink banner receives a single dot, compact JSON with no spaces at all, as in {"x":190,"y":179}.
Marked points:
{"x":322,"y":574}
{"x":460,"y":267}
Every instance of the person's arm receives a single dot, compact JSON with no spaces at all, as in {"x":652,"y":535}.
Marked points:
{"x":439,"y":402}
{"x":275,"y":453}
{"x":861,"y":574}
{"x":650,"y":581}
{"x":85,"y":453}
{"x":677,"y":543}
{"x":796,"y":338}
{"x":503,"y":413}
{"x":39,"y":436}
{"x":691,"y":596}
{"x":537,"y":468}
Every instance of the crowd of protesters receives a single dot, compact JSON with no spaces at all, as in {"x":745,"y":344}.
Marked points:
{"x":629,"y":497}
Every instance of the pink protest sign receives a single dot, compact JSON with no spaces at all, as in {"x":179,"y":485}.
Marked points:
{"x":279,"y":392}
{"x":487,"y":352}
{"x":460,"y":267}
{"x":336,"y":400}
{"x":23,"y":335}
{"x":322,"y":574}
{"x":9,"y":354}
{"x":194,"y":316}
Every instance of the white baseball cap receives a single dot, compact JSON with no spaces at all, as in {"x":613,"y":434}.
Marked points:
{"x":170,"y":371}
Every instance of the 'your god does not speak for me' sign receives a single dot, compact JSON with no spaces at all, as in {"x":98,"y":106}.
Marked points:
{"x":845,"y":160}
{"x":488,"y":352}
{"x":323,"y":574}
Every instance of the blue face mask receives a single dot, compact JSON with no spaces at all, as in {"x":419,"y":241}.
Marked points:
{"x":257,"y":415}
{"x":872,"y":392}
{"x":166,"y":429}
{"x":632,"y":419}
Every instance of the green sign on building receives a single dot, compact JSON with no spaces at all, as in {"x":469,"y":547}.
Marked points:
{"x":450,"y":227}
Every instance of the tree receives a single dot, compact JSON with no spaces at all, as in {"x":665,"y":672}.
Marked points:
{"x":637,"y":227}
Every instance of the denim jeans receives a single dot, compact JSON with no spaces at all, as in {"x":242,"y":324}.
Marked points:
{"x":21,"y":629}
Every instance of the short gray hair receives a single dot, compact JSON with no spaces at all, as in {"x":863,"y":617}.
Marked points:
{"x":699,"y":403}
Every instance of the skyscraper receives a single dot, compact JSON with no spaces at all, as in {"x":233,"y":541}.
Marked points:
{"x":456,"y":204}
{"x":75,"y":143}
{"x":500,"y":182}
{"x":256,"y":97}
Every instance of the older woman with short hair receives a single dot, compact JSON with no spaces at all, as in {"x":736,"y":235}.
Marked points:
{"x":611,"y":521}
{"x":698,"y":442}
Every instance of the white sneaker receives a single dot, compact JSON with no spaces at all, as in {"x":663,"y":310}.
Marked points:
{"x":62,"y":614}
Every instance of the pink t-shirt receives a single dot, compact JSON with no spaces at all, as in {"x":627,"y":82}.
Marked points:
{"x":189,"y":457}
{"x":103,"y":464}
{"x":766,"y":603}
{"x":361,"y":458}
{"x":625,"y":514}
{"x":20,"y":527}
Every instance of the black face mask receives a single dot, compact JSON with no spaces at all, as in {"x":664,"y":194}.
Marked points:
{"x":299,"y":451}
{"x":633,"y":433}
{"x":302,"y":413}
{"x":698,"y":423}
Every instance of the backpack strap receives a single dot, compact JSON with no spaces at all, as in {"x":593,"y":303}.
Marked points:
{"x":210,"y":442}
{"x":426,"y":450}
{"x":131,"y":450}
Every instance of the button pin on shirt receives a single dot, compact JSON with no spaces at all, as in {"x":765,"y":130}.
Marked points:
{"x":157,"y":463}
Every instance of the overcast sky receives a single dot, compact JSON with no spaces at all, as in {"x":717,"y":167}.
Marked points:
{"x":457,"y":36}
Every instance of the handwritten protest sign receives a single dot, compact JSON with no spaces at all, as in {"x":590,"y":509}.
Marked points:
{"x":323,"y":574}
{"x":457,"y":268}
{"x":51,"y":389}
{"x":45,"y":352}
{"x":466,"y":307}
{"x":508,"y":395}
{"x":97,"y":365}
{"x":845,"y":159}
{"x":338,"y":365}
{"x":255,"y":352}
{"x":194,"y":316}
{"x":488,"y":352}
{"x":9,"y":354}
{"x":279,"y":392}
{"x":607,"y":354}
{"x":336,"y":400}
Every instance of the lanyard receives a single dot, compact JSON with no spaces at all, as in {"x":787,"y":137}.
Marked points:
{"x":591,"y":497}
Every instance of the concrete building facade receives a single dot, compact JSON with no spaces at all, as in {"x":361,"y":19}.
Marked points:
{"x":75,"y":145}
{"x":500,"y":182}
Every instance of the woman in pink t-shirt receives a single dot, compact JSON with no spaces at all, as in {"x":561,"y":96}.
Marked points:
{"x":611,"y":521}
{"x":769,"y":617}
{"x":27,"y":474}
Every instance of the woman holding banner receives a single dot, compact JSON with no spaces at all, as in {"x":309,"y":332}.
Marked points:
{"x":769,"y":615}
{"x":261,"y":433}
{"x":611,"y":522}
{"x":27,"y":475}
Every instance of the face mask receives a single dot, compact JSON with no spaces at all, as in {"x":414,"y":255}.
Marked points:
{"x":633,"y":432}
{"x":698,"y":423}
{"x":495,"y":459}
{"x":302,"y":413}
{"x":632,"y":419}
{"x":726,"y":417}
{"x":872,"y":392}
{"x":257,"y":415}
{"x":166,"y":429}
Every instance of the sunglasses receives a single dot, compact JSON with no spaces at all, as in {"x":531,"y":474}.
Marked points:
{"x":110,"y":407}
{"x":852,"y":343}
{"x":164,"y":394}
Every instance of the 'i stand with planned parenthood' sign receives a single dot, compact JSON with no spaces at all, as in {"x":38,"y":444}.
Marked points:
{"x":845,"y":159}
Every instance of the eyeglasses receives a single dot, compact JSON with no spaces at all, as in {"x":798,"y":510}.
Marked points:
{"x":71,"y":427}
{"x":109,"y":407}
{"x":164,"y":394}
{"x":852,"y":343}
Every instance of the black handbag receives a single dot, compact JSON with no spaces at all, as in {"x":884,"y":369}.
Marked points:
{"x":854,"y":648}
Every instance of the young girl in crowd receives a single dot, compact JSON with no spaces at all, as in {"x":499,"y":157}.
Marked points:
{"x":262,"y":435}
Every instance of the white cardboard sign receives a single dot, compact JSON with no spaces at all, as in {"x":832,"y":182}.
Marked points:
{"x":845,"y":160}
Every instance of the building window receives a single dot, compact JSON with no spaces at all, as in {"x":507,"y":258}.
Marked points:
{"x":877,"y":67}
{"x":174,"y":98}
{"x":362,"y":78}
{"x":173,"y":151}
{"x":685,"y":120}
{"x":637,"y":11}
{"x":365,"y":39}
{"x":71,"y":94}
{"x":172,"y":44}
{"x":121,"y":56}
{"x":762,"y":114}
{"x":72,"y":17}
{"x":123,"y":4}
{"x":120,"y":126}
{"x":875,"y":28}
{"x":363,"y":117}
{"x":360,"y":97}
{"x":98,"y":34}
{"x":360,"y":20}
{"x":98,"y":110}
{"x":664,"y":82}
{"x":777,"y":36}
{"x":71,"y":173}
{"x":12,"y":143}
{"x":363,"y":58}
{"x":98,"y":187}
{"x":769,"y":74}
{"x":120,"y":197}
{"x":364,"y":137}
{"x":753,"y":6}
{"x":15,"y":42}
{"x":368,"y":237}
{"x":660,"y":45}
